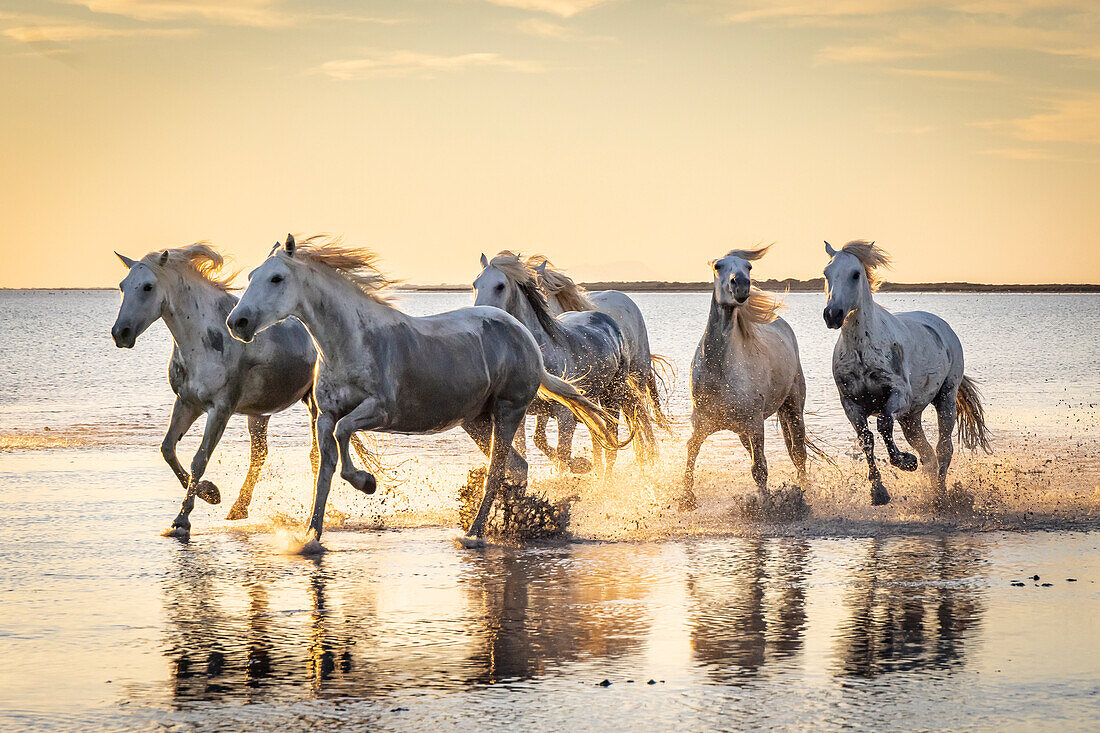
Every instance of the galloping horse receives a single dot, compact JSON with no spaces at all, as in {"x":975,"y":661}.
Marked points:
{"x":209,"y":371}
{"x":562,"y":295}
{"x":586,"y":348}
{"x":895,"y":365}
{"x":383,"y":370}
{"x":745,"y":370}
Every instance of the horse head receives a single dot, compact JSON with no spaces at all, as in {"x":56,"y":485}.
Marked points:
{"x":143,"y":299}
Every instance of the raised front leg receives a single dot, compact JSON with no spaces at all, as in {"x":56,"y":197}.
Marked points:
{"x":367,"y":416}
{"x":257,"y":439}
{"x":216,"y":420}
{"x":183,"y":417}
{"x":879,"y":495}
{"x":901,"y":459}
{"x":326,"y":442}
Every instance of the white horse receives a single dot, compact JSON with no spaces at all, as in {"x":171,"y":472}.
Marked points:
{"x":645,"y":369}
{"x":380,"y":369}
{"x":745,"y":370}
{"x":895,"y":365}
{"x":587,"y":348}
{"x":209,"y":371}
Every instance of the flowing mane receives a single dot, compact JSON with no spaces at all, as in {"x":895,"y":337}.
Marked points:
{"x":357,"y":264}
{"x":871,"y":257}
{"x":512,"y":266}
{"x":761,"y":307}
{"x":749,"y":254}
{"x":198,"y":259}
{"x":571,"y":297}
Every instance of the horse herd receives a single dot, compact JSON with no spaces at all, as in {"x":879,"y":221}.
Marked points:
{"x":315,"y":325}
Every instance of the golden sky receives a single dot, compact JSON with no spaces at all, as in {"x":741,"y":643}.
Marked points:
{"x":629,"y":139}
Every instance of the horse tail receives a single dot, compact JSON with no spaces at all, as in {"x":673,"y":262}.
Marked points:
{"x":661,"y":373}
{"x":973,"y":433}
{"x":604,"y":429}
{"x":637,"y":408}
{"x":370,"y":457}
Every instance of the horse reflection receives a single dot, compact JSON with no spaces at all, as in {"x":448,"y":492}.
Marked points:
{"x":912,"y":607}
{"x":748,"y":605}
{"x":539,"y":610}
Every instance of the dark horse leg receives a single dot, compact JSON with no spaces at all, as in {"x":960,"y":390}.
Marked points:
{"x":879,"y":494}
{"x":216,"y":420}
{"x":257,"y":438}
{"x":494,"y":435}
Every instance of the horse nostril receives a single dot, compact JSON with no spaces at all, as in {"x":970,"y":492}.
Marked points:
{"x":242,"y":322}
{"x":124,"y":333}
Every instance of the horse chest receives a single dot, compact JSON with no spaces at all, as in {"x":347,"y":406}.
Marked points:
{"x":195,"y":382}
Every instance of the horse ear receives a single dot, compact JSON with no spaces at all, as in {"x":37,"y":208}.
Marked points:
{"x":163,"y":259}
{"x":290,"y":245}
{"x":711,"y":263}
{"x":540,"y":268}
{"x":484,"y":261}
{"x":125,"y":260}
{"x":829,"y":250}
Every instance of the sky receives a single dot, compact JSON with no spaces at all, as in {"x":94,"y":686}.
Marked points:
{"x":626,"y":139}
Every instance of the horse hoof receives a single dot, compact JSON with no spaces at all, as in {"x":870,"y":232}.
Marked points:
{"x":580,"y":465}
{"x":208,"y":492}
{"x":178,"y":532}
{"x":687,"y":502}
{"x":907,"y":462}
{"x":367,"y":485}
{"x":236,"y":513}
{"x":879,"y":496}
{"x":470,"y":542}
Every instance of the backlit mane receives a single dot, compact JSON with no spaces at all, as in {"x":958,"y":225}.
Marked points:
{"x":357,"y":264}
{"x":554,"y":282}
{"x":512,"y":266}
{"x":749,"y":254}
{"x":197,"y":259}
{"x":871,"y":257}
{"x":760,"y":307}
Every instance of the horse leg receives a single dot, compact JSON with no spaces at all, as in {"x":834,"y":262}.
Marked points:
{"x":314,"y":451}
{"x":366,"y":416}
{"x":216,"y":420}
{"x":901,"y":459}
{"x":183,"y":417}
{"x":793,"y":423}
{"x":754,"y":444}
{"x":542,"y":443}
{"x":695,"y":442}
{"x":506,"y":418}
{"x":257,"y":438}
{"x":913,"y":430}
{"x":326,"y":424}
{"x":567,"y":427}
{"x":613,"y":408}
{"x":520,"y":441}
{"x":945,"y":416}
{"x":879,"y":495}
{"x":481,"y":431}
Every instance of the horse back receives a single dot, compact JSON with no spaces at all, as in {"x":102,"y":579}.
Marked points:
{"x":590,"y":348}
{"x":626,"y":313}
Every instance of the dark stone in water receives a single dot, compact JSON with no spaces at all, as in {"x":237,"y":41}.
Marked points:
{"x":651,"y":682}
{"x":605,"y":683}
{"x":1071,"y":580}
{"x":1047,"y":585}
{"x":400,"y":710}
{"x":1018,"y":584}
{"x":1034,"y":577}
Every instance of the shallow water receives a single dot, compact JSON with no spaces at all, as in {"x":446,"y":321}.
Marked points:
{"x":875,"y":619}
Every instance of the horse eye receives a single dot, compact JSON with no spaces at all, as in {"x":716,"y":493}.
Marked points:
{"x":855,"y":275}
{"x":276,"y":278}
{"x":749,"y":268}
{"x":500,"y":287}
{"x":148,"y":287}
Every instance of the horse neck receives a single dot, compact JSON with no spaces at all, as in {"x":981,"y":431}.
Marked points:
{"x":524,"y":312}
{"x":191,"y":308}
{"x":721,"y":331}
{"x":863,"y":325}
{"x":333,"y":309}
{"x":555,"y":306}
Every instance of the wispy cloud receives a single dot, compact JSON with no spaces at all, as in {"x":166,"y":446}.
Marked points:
{"x":419,"y":65}
{"x":52,"y":34}
{"x":563,"y":8}
{"x":559,"y":31}
{"x":949,"y":74}
{"x":259,"y":13}
{"x":1071,"y":120}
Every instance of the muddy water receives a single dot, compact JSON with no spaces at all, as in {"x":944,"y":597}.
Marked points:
{"x":874,"y":619}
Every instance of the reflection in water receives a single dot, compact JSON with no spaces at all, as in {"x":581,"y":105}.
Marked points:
{"x":748,"y":604}
{"x":913,"y":605}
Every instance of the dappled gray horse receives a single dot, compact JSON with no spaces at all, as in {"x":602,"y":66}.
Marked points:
{"x":745,"y":370}
{"x":585,"y":348}
{"x":210,"y":372}
{"x":893,"y":365}
{"x":382,"y":370}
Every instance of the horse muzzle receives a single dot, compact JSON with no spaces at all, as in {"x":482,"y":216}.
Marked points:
{"x":834,"y":317}
{"x":241,"y":327}
{"x":124,"y":337}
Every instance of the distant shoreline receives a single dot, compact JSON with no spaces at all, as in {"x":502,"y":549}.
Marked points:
{"x":816,"y":285}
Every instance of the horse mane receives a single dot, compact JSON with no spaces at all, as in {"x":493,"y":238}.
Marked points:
{"x":359,"y":265}
{"x":871,"y":257}
{"x":197,"y":259}
{"x":760,"y":307}
{"x":523,"y":277}
{"x":571,"y":297}
{"x":749,"y":254}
